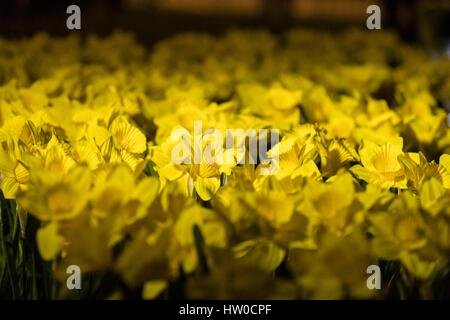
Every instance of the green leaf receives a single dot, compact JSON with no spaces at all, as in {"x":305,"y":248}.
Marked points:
{"x":200,"y":247}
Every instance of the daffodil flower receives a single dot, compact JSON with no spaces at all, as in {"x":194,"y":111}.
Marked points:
{"x":380,"y":165}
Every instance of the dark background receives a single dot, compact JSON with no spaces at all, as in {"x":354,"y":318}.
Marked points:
{"x":424,"y":21}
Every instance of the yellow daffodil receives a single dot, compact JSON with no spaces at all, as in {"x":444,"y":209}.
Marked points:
{"x":380,"y":165}
{"x":333,"y":204}
{"x":418,"y":170}
{"x":334,"y":271}
{"x":400,"y":233}
{"x":55,"y":196}
{"x":14,"y":174}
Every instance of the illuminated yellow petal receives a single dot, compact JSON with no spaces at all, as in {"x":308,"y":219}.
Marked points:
{"x":444,"y":161}
{"x":170,"y":172}
{"x":309,"y":169}
{"x":421,"y":268}
{"x":49,"y":241}
{"x":12,"y":128}
{"x":85,"y":152}
{"x":147,"y":189}
{"x":154,"y":288}
{"x":206,"y":188}
{"x":263,"y":254}
{"x":430,"y":194}
{"x":7,"y":164}
{"x":128,"y":137}
{"x":133,"y":161}
{"x":21,"y":174}
{"x":9,"y":187}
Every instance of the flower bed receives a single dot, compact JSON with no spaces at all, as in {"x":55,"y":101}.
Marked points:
{"x":88,"y":177}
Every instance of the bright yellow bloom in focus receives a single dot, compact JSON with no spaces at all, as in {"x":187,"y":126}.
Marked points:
{"x":418,"y":170}
{"x":14,"y":175}
{"x":380,"y":165}
{"x":127,"y":137}
{"x":203,"y":161}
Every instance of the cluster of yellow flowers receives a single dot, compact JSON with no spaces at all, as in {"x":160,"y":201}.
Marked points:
{"x":364,"y":164}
